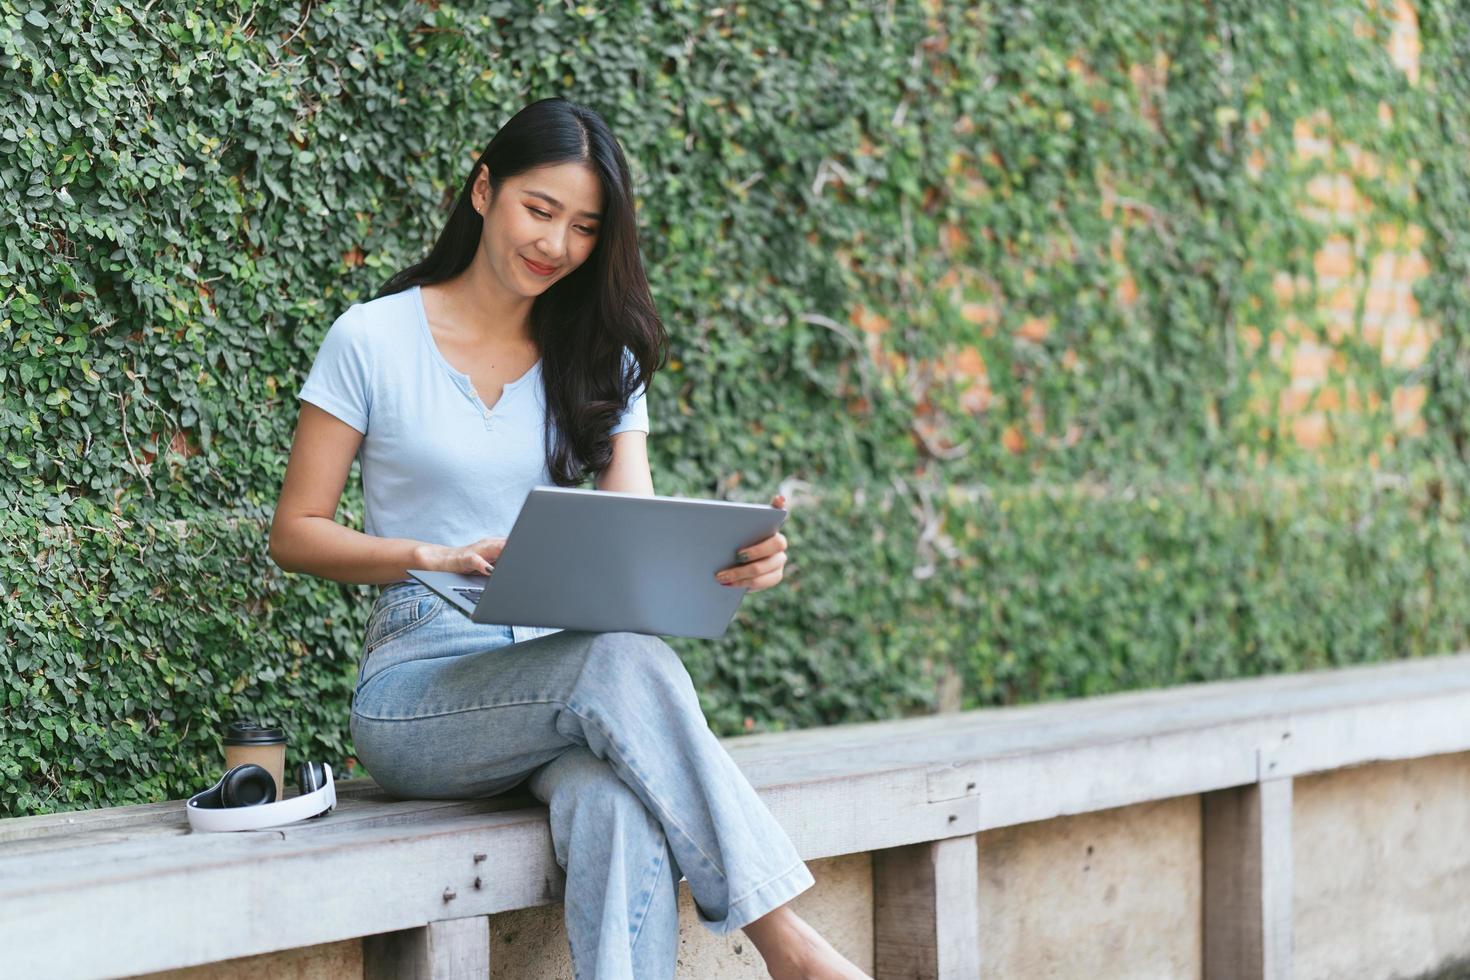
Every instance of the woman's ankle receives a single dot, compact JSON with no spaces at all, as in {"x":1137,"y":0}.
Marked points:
{"x":782,"y":941}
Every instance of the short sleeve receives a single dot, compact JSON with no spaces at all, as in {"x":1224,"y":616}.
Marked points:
{"x":339,"y":381}
{"x":636,"y":415}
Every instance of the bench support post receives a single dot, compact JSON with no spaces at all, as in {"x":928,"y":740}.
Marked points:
{"x":926,"y":911}
{"x":1247,"y":881}
{"x":453,"y":949}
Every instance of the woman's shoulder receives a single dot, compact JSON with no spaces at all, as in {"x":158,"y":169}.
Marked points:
{"x":384,"y":321}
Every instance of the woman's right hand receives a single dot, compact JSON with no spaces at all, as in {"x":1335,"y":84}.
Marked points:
{"x":473,"y":559}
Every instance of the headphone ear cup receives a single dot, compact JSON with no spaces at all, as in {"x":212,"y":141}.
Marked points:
{"x":310,"y":777}
{"x":247,"y":785}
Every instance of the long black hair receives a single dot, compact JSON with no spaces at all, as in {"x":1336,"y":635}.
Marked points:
{"x":583,"y":322}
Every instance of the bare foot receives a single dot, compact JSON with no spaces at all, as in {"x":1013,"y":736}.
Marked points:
{"x":793,"y":950}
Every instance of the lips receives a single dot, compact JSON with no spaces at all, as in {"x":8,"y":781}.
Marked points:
{"x":539,"y":270}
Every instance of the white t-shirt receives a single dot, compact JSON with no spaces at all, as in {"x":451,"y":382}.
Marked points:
{"x":437,"y":465}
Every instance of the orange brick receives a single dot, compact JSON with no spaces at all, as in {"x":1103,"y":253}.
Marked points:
{"x":1311,"y":431}
{"x":1344,"y":298}
{"x":1413,"y":265}
{"x":869,"y":321}
{"x":1284,"y":286}
{"x":1013,"y":439}
{"x":1127,"y":291}
{"x":976,"y":398}
{"x":1382,"y":299}
{"x":1362,"y":162}
{"x":1334,"y":259}
{"x":1403,"y":50}
{"x":1294,"y":400}
{"x":1309,"y":363}
{"x":1415,"y":352}
{"x":1383,"y":268}
{"x":979,"y":313}
{"x":1407,"y":403}
{"x":1323,"y":188}
{"x":970,"y":363}
{"x":1035,"y":329}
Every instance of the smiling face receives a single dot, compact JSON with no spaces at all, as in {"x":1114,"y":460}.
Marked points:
{"x":541,"y":226}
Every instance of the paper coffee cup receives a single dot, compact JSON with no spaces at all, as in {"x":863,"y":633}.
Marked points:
{"x":248,"y":741}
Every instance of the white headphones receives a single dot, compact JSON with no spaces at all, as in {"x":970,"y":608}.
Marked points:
{"x":244,"y":799}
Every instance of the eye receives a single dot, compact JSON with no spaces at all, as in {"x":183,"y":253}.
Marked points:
{"x":537,"y":212}
{"x":586,"y":231}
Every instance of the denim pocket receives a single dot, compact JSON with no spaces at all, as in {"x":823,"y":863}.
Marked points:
{"x":398,"y":617}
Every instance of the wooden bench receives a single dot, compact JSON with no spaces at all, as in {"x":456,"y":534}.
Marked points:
{"x":129,"y":890}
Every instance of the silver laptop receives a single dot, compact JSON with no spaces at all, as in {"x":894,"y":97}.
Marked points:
{"x":611,"y":562}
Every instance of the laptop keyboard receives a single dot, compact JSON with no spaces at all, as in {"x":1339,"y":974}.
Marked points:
{"x":473,"y":595}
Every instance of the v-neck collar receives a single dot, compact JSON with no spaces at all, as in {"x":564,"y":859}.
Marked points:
{"x":462,"y":380}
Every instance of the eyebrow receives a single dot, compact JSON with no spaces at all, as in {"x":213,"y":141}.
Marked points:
{"x":594,"y":215}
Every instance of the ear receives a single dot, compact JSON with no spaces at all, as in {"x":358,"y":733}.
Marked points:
{"x":481,"y":187}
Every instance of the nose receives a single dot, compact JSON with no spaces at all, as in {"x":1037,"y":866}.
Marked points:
{"x":552,"y":248}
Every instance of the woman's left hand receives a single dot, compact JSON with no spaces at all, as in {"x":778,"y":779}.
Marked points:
{"x":760,"y":564}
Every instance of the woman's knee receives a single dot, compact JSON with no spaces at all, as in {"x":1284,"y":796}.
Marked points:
{"x":639,"y":658}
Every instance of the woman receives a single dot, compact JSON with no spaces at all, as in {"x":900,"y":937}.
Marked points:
{"x":518,"y":353}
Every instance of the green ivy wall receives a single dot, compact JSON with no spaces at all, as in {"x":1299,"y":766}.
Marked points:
{"x":1038,"y":316}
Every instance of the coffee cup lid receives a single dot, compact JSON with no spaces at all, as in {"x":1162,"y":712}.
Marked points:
{"x":252,"y":733}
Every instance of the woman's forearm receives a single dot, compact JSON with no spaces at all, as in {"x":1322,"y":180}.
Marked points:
{"x":322,"y":547}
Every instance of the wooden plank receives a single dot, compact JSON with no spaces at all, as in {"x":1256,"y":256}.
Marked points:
{"x":845,"y":816}
{"x":292,"y":892}
{"x":143,"y":815}
{"x":838,"y":750}
{"x":1247,"y":882}
{"x":926,"y":911}
{"x":454,"y":949}
{"x":145,"y":850}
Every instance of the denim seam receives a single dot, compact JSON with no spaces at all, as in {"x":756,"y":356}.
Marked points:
{"x":652,"y":893}
{"x":769,"y":881}
{"x":414,"y":624}
{"x":459,"y":711}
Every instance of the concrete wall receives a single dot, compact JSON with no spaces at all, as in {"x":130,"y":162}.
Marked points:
{"x":1381,"y":890}
{"x":1109,"y":894}
{"x":1382,"y":869}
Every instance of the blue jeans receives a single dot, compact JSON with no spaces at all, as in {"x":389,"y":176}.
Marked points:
{"x":609,"y":730}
